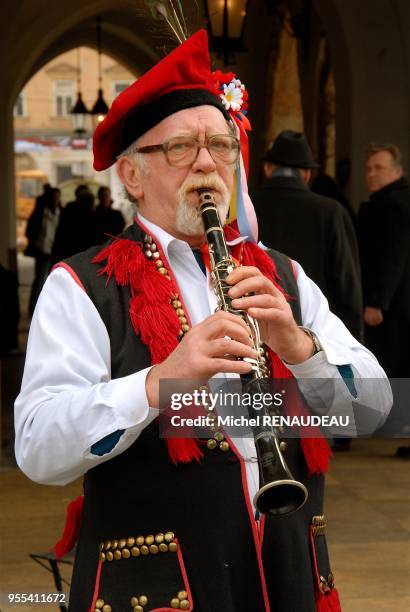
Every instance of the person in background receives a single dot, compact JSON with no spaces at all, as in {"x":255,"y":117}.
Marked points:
{"x":42,"y":233}
{"x":384,"y":239}
{"x":108,"y":221}
{"x":76,"y":229}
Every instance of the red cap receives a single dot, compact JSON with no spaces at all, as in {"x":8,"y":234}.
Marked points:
{"x":181,"y":80}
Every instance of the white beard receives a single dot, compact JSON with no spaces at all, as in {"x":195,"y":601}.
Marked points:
{"x":188,"y":219}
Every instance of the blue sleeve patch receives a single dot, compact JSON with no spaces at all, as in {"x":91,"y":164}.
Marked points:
{"x":106,"y":445}
{"x":346,"y":373}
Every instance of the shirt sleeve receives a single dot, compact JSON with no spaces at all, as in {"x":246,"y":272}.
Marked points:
{"x":68,"y":402}
{"x":344,"y":378}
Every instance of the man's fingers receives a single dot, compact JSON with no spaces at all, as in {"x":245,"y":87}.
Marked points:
{"x":225,"y":346}
{"x":229,"y":365}
{"x":234,"y":327}
{"x":254,"y":284}
{"x":258,"y":301}
{"x":242,"y":272}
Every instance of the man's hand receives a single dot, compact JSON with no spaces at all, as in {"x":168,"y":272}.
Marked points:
{"x":269,"y":307}
{"x":373,"y":316}
{"x":209,"y":347}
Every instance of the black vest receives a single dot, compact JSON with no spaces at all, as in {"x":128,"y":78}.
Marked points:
{"x":221,"y":560}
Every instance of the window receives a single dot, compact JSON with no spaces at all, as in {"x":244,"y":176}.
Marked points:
{"x":63,"y":98}
{"x":118,"y":87}
{"x":20,"y":106}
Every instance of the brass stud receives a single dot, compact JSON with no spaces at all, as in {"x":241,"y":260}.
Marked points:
{"x":148,"y":254}
{"x":138,"y":609}
{"x":109,"y":556}
{"x":130,"y":542}
{"x":125,"y":553}
{"x":169,"y":536}
{"x":155,"y":255}
{"x":163,"y":271}
{"x":163,"y":547}
{"x":154,"y":549}
{"x":219,"y":436}
{"x":184,"y":605}
{"x":144,"y":550}
{"x":211,"y":444}
{"x":102,"y":557}
{"x":283,"y":446}
{"x":134,"y":601}
{"x":153,"y":247}
{"x":122,"y":543}
{"x":102,"y":546}
{"x":99,"y":604}
{"x":139,"y":540}
{"x":159,"y":538}
{"x":182,"y":595}
{"x":180,"y":312}
{"x":107,"y":608}
{"x":185,"y":328}
{"x":159,"y":263}
{"x":143,"y":599}
{"x":135,"y":551}
{"x":183,"y":320}
{"x":173,"y":547}
{"x":174,"y":603}
{"x":114,"y":544}
{"x":176,"y":304}
{"x":148,"y":238}
{"x":224,"y":446}
{"x":149,"y":540}
{"x":117,"y":555}
{"x":107,"y":545}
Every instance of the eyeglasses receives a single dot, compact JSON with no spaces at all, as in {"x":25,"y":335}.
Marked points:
{"x":183,"y":150}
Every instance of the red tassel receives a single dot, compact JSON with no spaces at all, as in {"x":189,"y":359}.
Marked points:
{"x":183,"y":450}
{"x":329,"y":602}
{"x":71,"y":529}
{"x":317,"y":454}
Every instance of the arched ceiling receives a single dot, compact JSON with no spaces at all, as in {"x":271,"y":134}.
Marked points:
{"x":129,"y":35}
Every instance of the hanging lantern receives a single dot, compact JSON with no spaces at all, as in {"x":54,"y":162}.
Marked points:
{"x":226,"y":23}
{"x":100,"y":108}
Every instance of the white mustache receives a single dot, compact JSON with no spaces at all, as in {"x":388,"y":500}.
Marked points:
{"x":202,"y":182}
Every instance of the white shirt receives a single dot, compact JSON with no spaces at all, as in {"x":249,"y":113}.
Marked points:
{"x":68,"y":400}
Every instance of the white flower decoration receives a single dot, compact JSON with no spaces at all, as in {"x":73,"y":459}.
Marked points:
{"x":232,"y":97}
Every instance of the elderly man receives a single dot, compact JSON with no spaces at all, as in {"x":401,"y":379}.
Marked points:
{"x":171,"y":525}
{"x":384,"y":239}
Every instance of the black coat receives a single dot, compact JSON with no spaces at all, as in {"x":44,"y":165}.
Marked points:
{"x":317,"y":232}
{"x":76,"y":230}
{"x":108,"y":222}
{"x":384,"y":239}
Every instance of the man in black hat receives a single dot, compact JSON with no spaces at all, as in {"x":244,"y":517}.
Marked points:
{"x":314,"y":230}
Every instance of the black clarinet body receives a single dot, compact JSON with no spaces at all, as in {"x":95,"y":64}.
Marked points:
{"x":279,"y":492}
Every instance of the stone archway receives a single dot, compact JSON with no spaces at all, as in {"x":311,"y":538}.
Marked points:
{"x":127,"y":38}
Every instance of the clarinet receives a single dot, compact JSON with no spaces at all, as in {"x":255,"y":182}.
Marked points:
{"x":279,"y":492}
